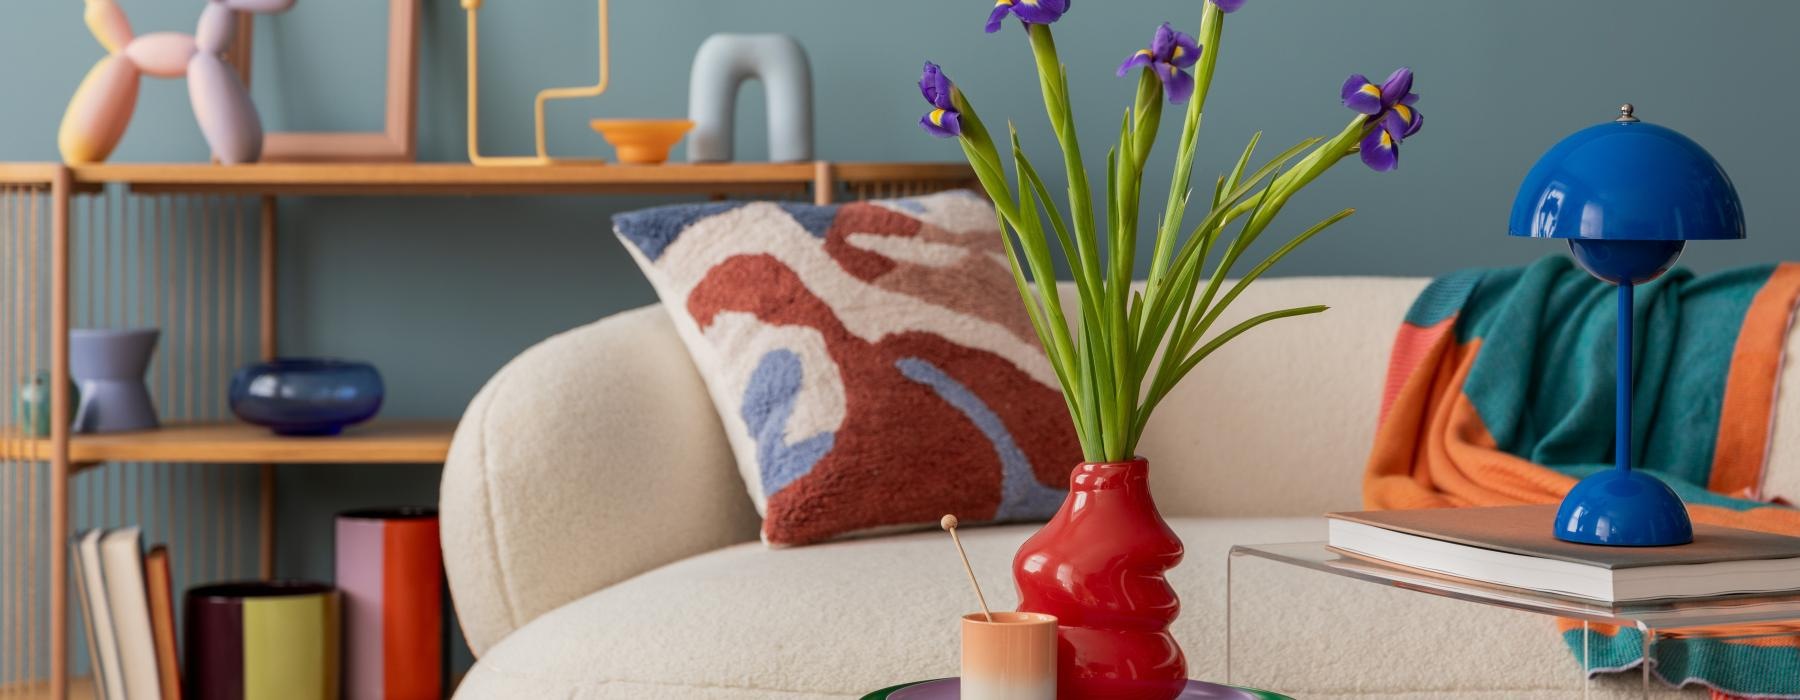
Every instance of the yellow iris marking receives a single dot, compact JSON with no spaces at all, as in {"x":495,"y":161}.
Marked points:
{"x":1405,"y":113}
{"x":1003,"y":3}
{"x":1143,"y":52}
{"x":1032,"y":3}
{"x":937,"y":117}
{"x":1177,"y":53}
{"x":1173,"y":70}
{"x":1387,"y":140}
{"x":1370,"y":89}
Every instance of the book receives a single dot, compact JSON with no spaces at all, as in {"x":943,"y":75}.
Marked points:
{"x":1514,"y":546}
{"x":103,"y":651}
{"x":122,"y":562}
{"x":162,"y":620}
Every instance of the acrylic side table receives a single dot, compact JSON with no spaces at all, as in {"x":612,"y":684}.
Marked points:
{"x":1666,"y":627}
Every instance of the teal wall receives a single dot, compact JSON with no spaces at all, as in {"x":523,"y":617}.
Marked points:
{"x":441,"y":292}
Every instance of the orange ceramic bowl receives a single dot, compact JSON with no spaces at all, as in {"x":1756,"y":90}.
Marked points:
{"x":642,"y":141}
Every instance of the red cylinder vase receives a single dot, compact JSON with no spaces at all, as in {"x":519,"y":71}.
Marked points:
{"x":1098,"y":567}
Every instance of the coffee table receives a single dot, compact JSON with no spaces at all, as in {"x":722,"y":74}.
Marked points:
{"x":946,"y":689}
{"x":1661,"y":623}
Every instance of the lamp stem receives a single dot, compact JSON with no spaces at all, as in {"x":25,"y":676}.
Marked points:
{"x":1622,"y":407}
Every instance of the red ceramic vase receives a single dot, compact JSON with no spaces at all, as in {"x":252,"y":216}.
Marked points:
{"x":1098,"y":567}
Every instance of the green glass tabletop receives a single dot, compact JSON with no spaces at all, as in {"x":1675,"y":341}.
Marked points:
{"x":1195,"y":689}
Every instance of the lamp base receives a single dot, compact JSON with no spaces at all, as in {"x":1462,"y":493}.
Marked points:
{"x":1623,"y":508}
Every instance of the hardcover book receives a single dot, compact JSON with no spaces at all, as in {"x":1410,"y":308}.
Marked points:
{"x":1514,"y":546}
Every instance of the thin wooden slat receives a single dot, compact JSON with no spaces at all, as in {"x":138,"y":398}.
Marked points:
{"x":12,"y":669}
{"x":189,"y":232}
{"x":142,"y":260}
{"x":22,"y":497}
{"x":84,"y":248}
{"x":239,"y":242}
{"x":214,"y":374}
{"x":266,"y":249}
{"x":103,"y":278}
{"x":31,"y":535}
{"x":190,"y":361}
{"x":13,"y":304}
{"x":202,"y":340}
{"x":59,"y":435}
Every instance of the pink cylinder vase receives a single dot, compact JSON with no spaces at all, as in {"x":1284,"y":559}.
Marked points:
{"x":1098,"y":567}
{"x":390,"y":570}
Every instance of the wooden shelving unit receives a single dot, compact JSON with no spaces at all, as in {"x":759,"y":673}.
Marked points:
{"x":822,"y":179}
{"x":378,"y":442}
{"x":211,"y":231}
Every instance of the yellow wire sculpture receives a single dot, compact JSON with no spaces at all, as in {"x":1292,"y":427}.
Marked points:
{"x":473,"y":8}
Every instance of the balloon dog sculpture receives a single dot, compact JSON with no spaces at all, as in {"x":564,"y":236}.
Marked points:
{"x":102,"y":106}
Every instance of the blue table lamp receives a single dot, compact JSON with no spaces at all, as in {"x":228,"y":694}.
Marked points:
{"x":1628,"y":196}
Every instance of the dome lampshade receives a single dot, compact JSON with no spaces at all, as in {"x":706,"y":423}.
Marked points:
{"x":1627,"y":180}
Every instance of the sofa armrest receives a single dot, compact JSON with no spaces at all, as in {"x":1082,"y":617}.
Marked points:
{"x":592,"y":457}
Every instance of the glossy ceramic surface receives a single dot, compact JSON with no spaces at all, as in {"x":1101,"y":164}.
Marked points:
{"x":1634,"y":262}
{"x":950,"y":689}
{"x":642,"y":141}
{"x":1011,"y":656}
{"x":1098,"y":567}
{"x":256,"y":640}
{"x":301,"y":396}
{"x":1627,"y":181}
{"x":108,"y":365}
{"x":1627,"y":195}
{"x":1621,"y":507}
{"x":391,"y":574}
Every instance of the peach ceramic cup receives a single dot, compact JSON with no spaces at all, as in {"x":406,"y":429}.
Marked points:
{"x":1011,"y":658}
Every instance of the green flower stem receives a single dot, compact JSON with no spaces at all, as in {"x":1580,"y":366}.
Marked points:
{"x":1104,"y":361}
{"x":1211,"y":32}
{"x":1053,"y":82}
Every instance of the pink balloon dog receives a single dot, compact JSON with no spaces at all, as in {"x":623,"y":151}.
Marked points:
{"x":102,"y":106}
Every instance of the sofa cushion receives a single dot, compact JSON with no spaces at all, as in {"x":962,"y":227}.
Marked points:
{"x":844,"y":618}
{"x":871,"y":362}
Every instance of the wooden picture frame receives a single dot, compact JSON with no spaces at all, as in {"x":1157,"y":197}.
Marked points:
{"x":398,"y":140}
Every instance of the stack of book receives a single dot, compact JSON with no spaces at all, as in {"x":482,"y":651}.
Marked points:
{"x":1514,"y":546}
{"x":129,"y":606}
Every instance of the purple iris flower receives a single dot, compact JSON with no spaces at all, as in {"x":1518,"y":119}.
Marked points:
{"x":942,"y":121}
{"x":1228,"y":6}
{"x":1390,"y":108}
{"x":1028,"y":11}
{"x":1170,"y":51}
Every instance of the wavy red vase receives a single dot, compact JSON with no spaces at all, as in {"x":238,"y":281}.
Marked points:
{"x":1098,"y":567}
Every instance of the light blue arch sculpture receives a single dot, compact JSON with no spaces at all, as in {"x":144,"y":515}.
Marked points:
{"x":721,"y":66}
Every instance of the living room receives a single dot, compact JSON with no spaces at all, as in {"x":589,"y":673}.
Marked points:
{"x":503,"y":371}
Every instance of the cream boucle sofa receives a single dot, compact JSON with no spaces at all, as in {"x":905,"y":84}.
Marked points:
{"x":600,"y":544}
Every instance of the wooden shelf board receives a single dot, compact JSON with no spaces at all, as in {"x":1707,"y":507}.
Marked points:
{"x":80,"y":688}
{"x":378,"y":442}
{"x":466,"y":179}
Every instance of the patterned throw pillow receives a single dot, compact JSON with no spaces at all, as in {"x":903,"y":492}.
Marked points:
{"x":871,"y":362}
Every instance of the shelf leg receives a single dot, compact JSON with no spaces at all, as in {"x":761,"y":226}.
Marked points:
{"x":59,"y":435}
{"x":824,"y":186}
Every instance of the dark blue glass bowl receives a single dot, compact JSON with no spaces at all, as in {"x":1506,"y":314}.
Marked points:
{"x":306,"y":396}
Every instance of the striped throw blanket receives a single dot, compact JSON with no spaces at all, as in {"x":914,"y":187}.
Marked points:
{"x":1500,"y":392}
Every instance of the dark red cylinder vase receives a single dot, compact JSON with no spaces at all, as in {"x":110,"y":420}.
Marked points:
{"x":1098,"y":567}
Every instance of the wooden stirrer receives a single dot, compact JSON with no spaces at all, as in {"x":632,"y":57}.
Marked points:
{"x":949,"y":524}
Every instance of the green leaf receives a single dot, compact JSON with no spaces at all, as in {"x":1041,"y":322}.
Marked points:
{"x":1255,"y":272}
{"x":1243,"y":161}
